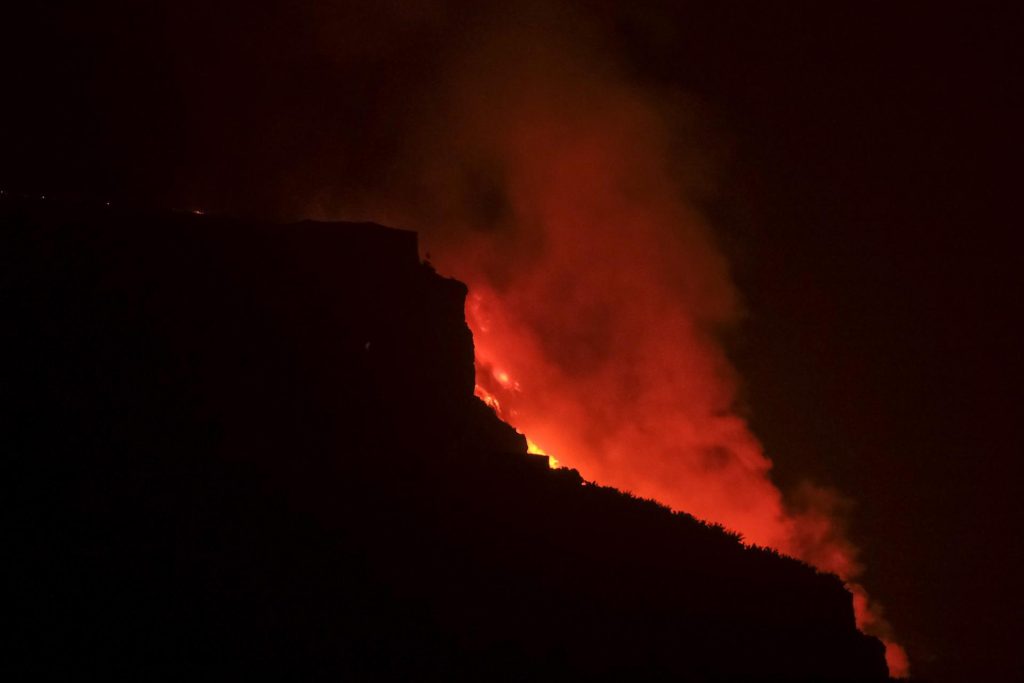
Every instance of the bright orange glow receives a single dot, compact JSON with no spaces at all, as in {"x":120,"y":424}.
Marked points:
{"x":537,"y":450}
{"x":487,"y":397}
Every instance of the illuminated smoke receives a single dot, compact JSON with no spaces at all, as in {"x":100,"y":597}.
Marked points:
{"x":566,"y":196}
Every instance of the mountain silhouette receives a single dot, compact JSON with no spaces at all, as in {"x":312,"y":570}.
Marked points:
{"x":243,"y":449}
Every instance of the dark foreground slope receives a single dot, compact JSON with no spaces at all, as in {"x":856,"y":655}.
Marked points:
{"x":242,"y":449}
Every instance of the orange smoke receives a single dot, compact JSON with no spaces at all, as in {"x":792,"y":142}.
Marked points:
{"x":566,"y":197}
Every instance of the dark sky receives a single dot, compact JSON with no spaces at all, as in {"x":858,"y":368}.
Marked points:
{"x":879,"y":261}
{"x":866,"y":201}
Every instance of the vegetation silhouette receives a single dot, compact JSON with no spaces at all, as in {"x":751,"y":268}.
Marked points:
{"x":250,"y":449}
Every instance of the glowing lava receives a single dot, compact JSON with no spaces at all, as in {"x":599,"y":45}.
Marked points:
{"x":503,"y":380}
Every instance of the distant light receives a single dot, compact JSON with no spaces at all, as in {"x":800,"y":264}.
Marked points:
{"x":198,"y":212}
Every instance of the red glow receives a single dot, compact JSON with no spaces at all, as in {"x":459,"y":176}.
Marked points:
{"x":679,"y":449}
{"x":602,"y":345}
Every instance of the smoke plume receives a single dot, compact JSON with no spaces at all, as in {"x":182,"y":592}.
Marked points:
{"x":567,"y":194}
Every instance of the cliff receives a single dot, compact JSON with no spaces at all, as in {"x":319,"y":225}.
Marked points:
{"x":244,"y":448}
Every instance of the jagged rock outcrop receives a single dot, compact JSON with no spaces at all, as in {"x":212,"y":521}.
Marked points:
{"x":245,"y":449}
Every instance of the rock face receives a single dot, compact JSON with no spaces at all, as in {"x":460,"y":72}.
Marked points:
{"x":246,"y":449}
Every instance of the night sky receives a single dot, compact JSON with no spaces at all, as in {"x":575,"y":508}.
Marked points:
{"x":865,"y":171}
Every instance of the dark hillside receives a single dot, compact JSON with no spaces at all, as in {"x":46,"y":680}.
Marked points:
{"x":239,"y":449}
